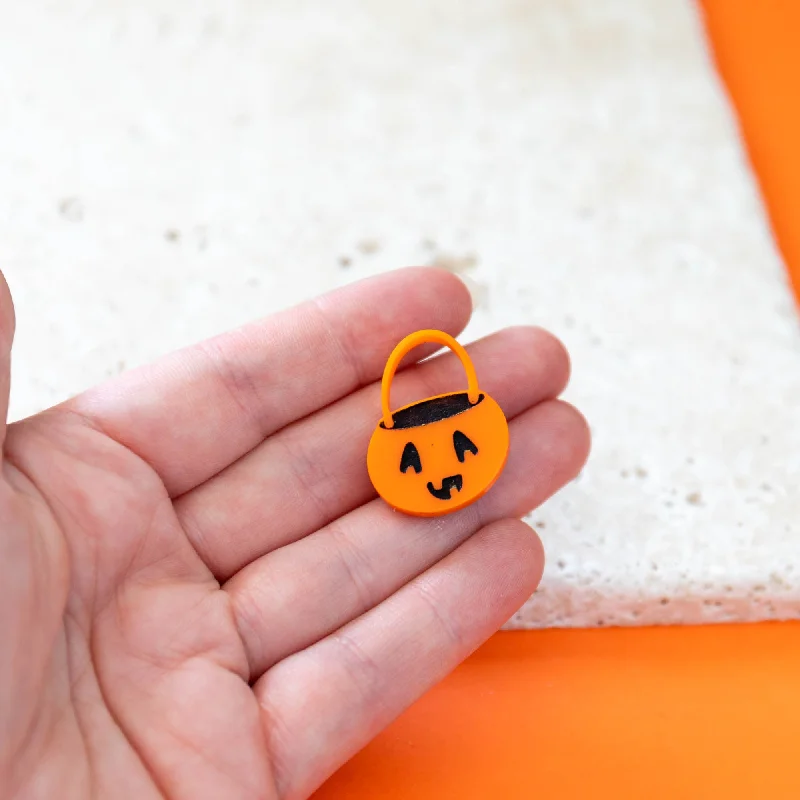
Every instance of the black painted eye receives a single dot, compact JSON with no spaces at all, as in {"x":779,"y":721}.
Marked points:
{"x":462,"y":444}
{"x":410,"y":458}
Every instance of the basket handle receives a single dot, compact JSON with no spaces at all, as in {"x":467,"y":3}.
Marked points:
{"x":409,"y":343}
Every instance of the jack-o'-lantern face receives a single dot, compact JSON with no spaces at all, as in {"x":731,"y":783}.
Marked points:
{"x":440,"y":454}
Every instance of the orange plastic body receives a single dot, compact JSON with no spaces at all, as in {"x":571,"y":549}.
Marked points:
{"x":440,"y":454}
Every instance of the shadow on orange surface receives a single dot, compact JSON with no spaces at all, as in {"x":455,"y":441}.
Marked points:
{"x":675,"y":713}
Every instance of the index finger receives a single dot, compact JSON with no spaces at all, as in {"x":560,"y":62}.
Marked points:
{"x":196,"y":411}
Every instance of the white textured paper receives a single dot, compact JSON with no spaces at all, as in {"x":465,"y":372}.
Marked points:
{"x":172,"y":169}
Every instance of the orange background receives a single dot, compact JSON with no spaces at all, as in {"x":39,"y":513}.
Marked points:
{"x":756,"y":47}
{"x":708,"y":712}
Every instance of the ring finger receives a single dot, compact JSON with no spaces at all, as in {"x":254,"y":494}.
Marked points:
{"x":362,"y":558}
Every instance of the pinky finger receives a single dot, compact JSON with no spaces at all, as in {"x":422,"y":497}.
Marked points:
{"x":325,"y":703}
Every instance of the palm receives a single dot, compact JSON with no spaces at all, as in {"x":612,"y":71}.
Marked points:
{"x":202,"y":598}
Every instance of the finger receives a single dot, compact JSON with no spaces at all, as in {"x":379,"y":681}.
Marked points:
{"x":315,"y":471}
{"x":196,"y":411}
{"x":7,"y":325}
{"x":361,"y":559}
{"x":323,"y":704}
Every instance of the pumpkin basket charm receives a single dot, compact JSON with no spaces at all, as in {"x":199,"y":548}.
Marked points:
{"x":440,"y":454}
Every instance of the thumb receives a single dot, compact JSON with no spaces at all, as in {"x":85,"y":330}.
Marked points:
{"x":33,"y":580}
{"x":7,"y":324}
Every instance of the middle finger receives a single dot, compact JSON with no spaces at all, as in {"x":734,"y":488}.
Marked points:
{"x":313,"y":471}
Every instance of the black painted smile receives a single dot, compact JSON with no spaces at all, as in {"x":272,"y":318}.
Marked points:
{"x":448,"y":484}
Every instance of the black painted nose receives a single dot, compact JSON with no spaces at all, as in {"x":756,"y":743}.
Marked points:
{"x":448,"y":484}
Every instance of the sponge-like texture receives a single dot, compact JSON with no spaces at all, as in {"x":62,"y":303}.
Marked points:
{"x":171,"y":170}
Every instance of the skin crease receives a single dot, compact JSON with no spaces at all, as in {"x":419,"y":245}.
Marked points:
{"x":200,"y":603}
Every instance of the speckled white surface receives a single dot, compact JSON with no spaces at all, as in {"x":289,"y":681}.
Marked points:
{"x":171,"y":169}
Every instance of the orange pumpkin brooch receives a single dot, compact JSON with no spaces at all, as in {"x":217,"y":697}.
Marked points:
{"x":439,"y":454}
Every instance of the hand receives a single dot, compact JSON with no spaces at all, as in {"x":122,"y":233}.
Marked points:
{"x":201,"y":595}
